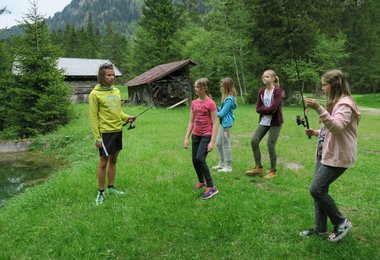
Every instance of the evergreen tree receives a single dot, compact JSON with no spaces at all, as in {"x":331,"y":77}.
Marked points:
{"x":190,"y":11}
{"x":90,"y":41}
{"x":3,"y":82}
{"x":5,"y":69}
{"x":40,"y":99}
{"x":285,"y":32}
{"x":154,"y":36}
{"x":114,"y":46}
{"x":282,"y":25}
{"x":361,"y":25}
{"x":68,"y":41}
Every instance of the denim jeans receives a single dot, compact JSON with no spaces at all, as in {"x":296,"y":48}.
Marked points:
{"x":199,"y":154}
{"x":324,"y":205}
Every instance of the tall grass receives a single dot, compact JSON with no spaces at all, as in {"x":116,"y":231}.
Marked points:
{"x":161,"y":218}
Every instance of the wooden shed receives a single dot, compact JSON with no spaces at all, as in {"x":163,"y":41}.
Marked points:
{"x":81,"y":75}
{"x":163,"y":85}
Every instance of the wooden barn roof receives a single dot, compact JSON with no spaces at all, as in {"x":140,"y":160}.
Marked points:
{"x":83,"y":67}
{"x":158,"y":72}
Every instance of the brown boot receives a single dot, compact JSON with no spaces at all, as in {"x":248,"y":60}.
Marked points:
{"x":257,"y":171}
{"x":271,"y":174}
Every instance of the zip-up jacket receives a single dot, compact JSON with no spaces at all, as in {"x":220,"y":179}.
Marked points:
{"x":226,"y":112}
{"x":339,"y":148}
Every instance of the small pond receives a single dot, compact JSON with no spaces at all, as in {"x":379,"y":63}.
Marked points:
{"x":19,"y":170}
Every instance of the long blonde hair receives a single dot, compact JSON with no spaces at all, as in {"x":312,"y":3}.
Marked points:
{"x":228,"y":88}
{"x":204,"y":85}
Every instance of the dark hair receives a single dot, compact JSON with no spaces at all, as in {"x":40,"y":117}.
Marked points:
{"x":102,"y":72}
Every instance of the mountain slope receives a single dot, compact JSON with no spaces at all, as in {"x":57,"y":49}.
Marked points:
{"x":122,"y":14}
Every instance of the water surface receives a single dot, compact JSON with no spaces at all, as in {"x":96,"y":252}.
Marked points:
{"x":19,"y":170}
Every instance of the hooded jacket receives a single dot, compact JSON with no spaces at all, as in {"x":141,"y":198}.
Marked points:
{"x":106,"y":115}
{"x":226,"y":112}
{"x":340,"y":144}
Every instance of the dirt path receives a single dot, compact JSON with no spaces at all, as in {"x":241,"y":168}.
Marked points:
{"x":374,"y":111}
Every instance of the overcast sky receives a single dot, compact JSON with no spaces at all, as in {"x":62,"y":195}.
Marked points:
{"x":20,"y":7}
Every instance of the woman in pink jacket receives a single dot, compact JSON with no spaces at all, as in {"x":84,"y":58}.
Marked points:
{"x":336,"y":151}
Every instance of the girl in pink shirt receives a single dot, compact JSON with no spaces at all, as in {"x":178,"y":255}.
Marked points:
{"x":336,"y":151}
{"x":203,"y":127}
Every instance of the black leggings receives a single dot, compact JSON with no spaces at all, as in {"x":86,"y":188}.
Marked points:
{"x":199,"y":152}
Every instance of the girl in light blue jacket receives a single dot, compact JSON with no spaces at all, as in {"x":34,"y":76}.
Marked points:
{"x":226,"y":118}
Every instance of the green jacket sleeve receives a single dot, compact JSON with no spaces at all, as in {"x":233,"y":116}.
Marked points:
{"x":94,"y":120}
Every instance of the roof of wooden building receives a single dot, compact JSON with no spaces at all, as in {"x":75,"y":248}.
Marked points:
{"x":158,"y":72}
{"x":77,"y":67}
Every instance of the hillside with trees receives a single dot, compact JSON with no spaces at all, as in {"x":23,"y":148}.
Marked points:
{"x":121,"y":15}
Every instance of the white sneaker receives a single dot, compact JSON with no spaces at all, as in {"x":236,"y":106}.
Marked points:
{"x":219,"y":166}
{"x":226,"y":168}
{"x":113,"y":190}
{"x":340,"y":231}
{"x":100,"y":198}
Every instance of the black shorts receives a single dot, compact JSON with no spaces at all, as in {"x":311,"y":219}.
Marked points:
{"x":111,"y":143}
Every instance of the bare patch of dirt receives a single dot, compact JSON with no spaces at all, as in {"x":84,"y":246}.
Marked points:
{"x":293,"y":166}
{"x":369,"y":110}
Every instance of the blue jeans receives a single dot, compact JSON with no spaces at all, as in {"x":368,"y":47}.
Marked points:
{"x":199,"y":154}
{"x":324,"y":205}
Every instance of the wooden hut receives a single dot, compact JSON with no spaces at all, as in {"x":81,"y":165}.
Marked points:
{"x":163,"y":85}
{"x":81,"y":75}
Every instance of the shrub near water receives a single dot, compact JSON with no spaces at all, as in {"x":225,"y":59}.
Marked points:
{"x":160,"y":216}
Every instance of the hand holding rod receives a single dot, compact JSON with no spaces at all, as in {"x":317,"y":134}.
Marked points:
{"x":131,"y":125}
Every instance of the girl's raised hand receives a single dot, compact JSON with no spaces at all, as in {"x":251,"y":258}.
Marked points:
{"x":312,"y":103}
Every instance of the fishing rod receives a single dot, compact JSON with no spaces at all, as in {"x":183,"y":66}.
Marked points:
{"x":131,"y":124}
{"x":300,"y":121}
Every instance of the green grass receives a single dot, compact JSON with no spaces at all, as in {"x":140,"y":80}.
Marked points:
{"x":161,"y":218}
{"x":368,"y":100}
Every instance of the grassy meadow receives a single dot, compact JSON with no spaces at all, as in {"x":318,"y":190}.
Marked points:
{"x":160,"y":217}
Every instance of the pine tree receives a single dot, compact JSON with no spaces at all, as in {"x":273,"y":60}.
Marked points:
{"x":279,"y":22}
{"x":114,"y":48}
{"x":154,"y":36}
{"x":90,"y":41}
{"x":40,"y":98}
{"x":361,"y":25}
{"x":5,"y":68}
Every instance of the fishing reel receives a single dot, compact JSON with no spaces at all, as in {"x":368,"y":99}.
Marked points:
{"x":131,"y":126}
{"x":300,"y":121}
